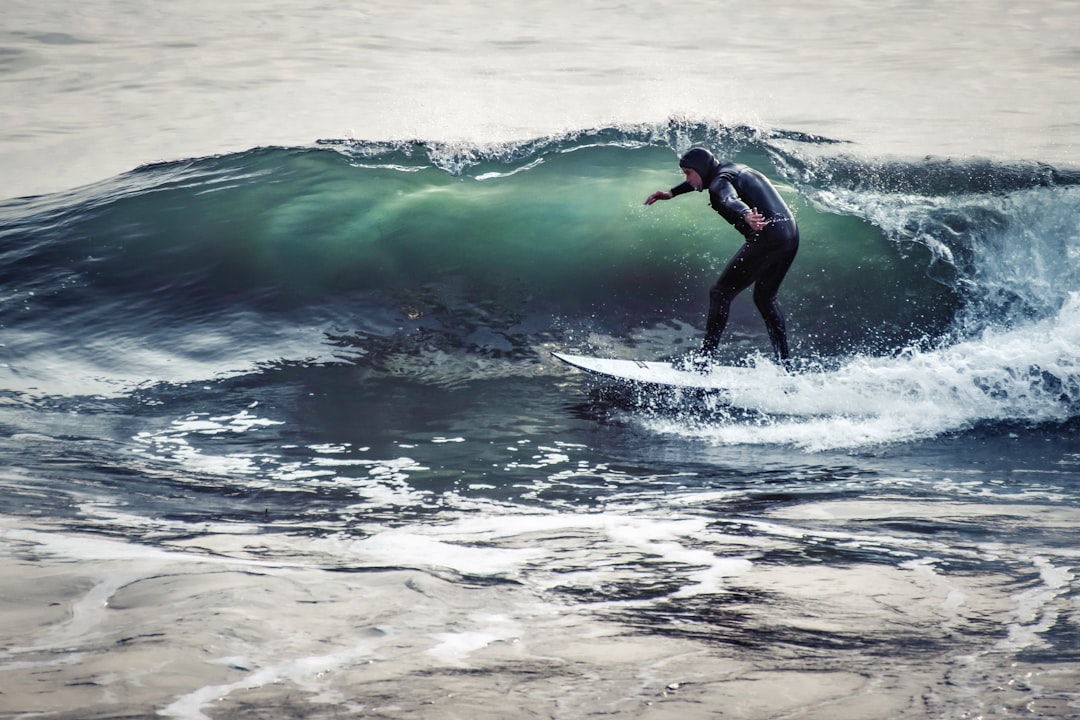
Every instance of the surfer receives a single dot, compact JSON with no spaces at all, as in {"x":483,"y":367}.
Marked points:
{"x":746,"y":199}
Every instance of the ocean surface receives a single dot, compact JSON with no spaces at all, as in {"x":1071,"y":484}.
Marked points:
{"x":280,"y":430}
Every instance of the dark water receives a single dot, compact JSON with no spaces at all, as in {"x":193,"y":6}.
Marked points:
{"x":337,"y":358}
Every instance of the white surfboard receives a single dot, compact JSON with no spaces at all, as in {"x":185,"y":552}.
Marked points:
{"x":718,"y":377}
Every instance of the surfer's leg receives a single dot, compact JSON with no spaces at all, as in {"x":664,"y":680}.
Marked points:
{"x":775,"y":325}
{"x":765,"y":291}
{"x":719,"y":307}
{"x":736,"y":277}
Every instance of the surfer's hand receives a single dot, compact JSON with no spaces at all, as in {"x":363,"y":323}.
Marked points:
{"x":755,"y":220}
{"x":658,"y":195}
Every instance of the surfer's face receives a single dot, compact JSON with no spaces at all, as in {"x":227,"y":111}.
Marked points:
{"x":693,"y":178}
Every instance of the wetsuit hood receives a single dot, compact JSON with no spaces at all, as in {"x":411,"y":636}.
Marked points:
{"x":702,"y":162}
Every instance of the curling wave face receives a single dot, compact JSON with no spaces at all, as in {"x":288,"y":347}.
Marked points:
{"x":459,"y":262}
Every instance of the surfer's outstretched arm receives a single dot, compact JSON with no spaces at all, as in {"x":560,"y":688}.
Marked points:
{"x":658,"y":195}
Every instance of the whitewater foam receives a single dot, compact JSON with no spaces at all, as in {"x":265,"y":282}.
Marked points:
{"x":1028,"y":373}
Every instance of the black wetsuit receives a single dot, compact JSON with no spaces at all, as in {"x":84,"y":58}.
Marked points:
{"x":764,"y":258}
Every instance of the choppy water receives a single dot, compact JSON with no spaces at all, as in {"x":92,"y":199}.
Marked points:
{"x":281,"y":432}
